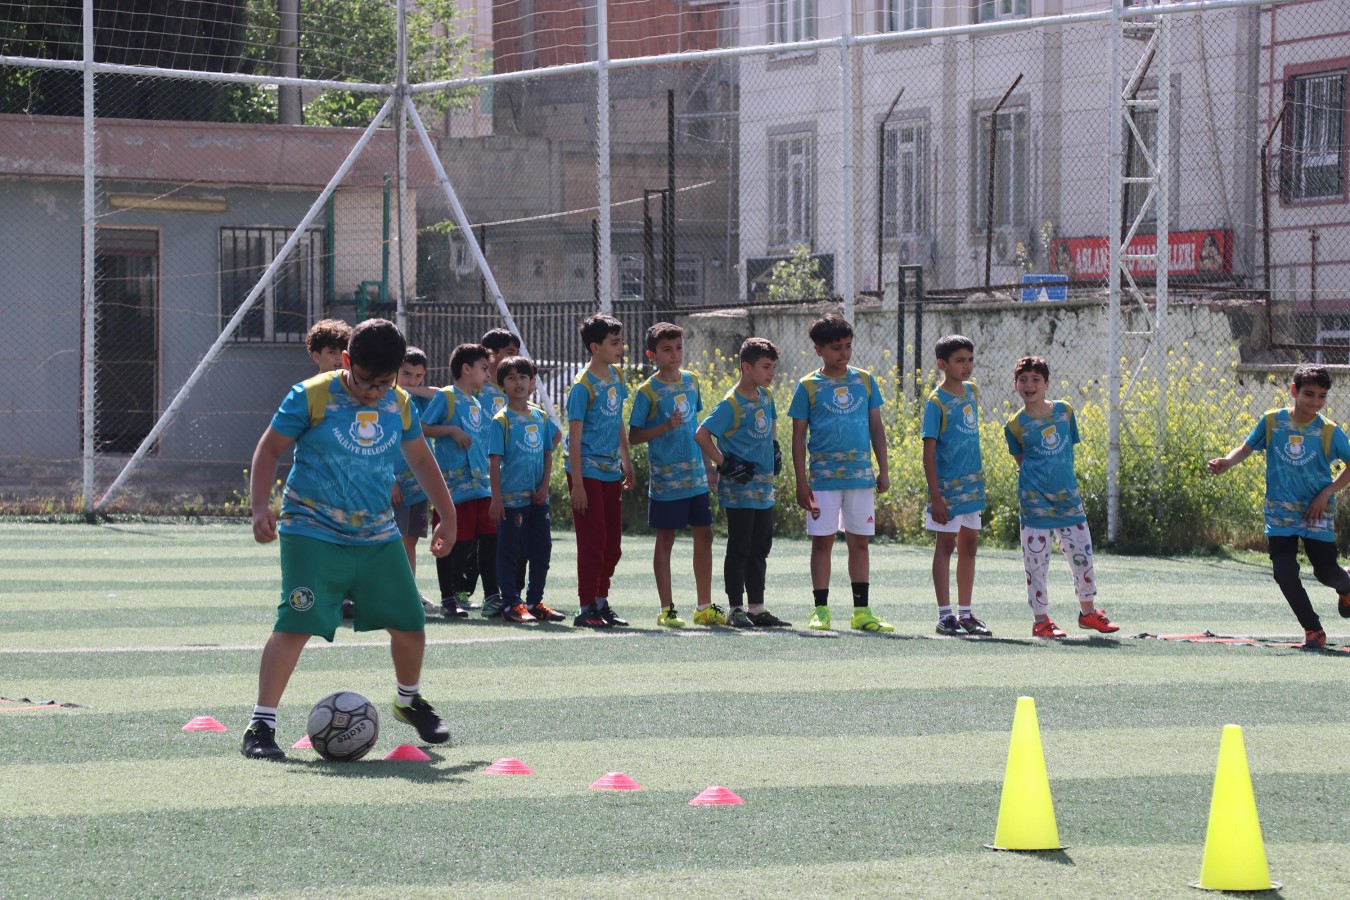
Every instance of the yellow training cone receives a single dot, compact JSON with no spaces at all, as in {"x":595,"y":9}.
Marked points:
{"x":1026,"y":814}
{"x":1235,"y":857}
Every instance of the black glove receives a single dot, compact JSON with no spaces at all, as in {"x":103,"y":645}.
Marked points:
{"x":777,"y":458}
{"x":737,"y":469}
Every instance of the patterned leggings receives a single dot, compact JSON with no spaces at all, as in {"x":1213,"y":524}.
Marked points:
{"x":1076,"y":543}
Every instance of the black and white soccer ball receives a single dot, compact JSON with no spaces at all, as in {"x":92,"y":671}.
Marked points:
{"x":343,"y":726}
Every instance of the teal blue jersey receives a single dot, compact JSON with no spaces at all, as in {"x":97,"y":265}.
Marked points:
{"x":1298,"y":467}
{"x":493,"y":400}
{"x":839,"y":438}
{"x":952,"y":421}
{"x":521,"y":440}
{"x":673,"y":459}
{"x":465,"y":470}
{"x":1047,"y":487}
{"x":598,"y":403}
{"x":407,"y":482}
{"x":345,"y":454}
{"x":745,"y":428}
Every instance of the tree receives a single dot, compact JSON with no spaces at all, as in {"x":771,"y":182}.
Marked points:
{"x":796,"y":278}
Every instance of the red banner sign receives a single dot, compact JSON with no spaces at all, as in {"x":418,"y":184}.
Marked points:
{"x":1200,"y":253}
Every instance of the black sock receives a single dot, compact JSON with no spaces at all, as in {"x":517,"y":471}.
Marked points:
{"x":735,"y":602}
{"x":822,"y":596}
{"x":859,"y":594}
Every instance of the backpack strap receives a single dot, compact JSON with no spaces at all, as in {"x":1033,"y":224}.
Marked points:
{"x":942,"y":411}
{"x":404,"y":406}
{"x":735,"y":402}
{"x":1328,"y":432}
{"x":318,"y":391}
{"x":647,"y":390}
{"x":501,"y":418}
{"x":1015,"y":427}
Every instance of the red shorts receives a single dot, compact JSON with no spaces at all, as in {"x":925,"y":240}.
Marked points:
{"x":471,"y":519}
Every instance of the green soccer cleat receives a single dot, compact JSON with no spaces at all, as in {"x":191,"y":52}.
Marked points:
{"x":711,"y":615}
{"x":866,"y":620}
{"x":669,"y":618}
{"x":820,"y":619}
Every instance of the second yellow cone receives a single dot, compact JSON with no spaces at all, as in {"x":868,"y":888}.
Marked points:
{"x":1235,"y":855}
{"x":1026,"y":813}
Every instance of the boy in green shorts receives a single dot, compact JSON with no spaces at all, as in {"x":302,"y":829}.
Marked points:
{"x":338,"y":536}
{"x":664,"y":416}
{"x":839,"y":407}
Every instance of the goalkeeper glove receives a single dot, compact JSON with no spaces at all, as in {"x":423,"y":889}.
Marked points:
{"x":737,"y":469}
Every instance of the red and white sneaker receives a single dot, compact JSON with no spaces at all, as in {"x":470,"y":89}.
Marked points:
{"x":1097,"y":621}
{"x":1046,"y":629}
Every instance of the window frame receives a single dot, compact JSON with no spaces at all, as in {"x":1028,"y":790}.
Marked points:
{"x":1292,"y":183}
{"x":999,"y":10}
{"x":785,"y":230}
{"x":904,"y":15}
{"x":308,"y":255}
{"x":893,"y":225}
{"x":792,"y":20}
{"x":1018,"y":194}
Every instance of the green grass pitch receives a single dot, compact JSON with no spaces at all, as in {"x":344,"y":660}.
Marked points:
{"x":870,"y":765}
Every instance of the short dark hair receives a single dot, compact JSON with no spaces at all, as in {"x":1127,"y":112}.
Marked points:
{"x":499,"y":339}
{"x":1032,"y":364}
{"x":829,"y":328}
{"x":415,"y":356}
{"x":377,"y":346}
{"x":756,"y":348}
{"x":663,"y":331}
{"x":466,"y":355}
{"x":1310,"y":373}
{"x":948,"y":345}
{"x":327,"y":333}
{"x":594,"y":329}
{"x":522,"y":364}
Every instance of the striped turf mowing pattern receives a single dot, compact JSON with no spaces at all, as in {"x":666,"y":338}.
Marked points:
{"x":869,"y":764}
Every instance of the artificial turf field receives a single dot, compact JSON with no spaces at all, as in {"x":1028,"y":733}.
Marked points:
{"x":869,"y":764}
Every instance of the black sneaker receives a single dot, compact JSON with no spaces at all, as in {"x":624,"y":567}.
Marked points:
{"x":951,"y":627}
{"x":260,"y":742}
{"x":612,"y":617}
{"x":420,"y":715}
{"x":546,"y":613}
{"x":975,"y":627}
{"x":591,"y":618}
{"x":348,"y":608}
{"x":451,"y":609}
{"x":766,"y":619}
{"x":738,"y":618}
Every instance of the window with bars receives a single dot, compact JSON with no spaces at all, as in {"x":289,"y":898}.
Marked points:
{"x":904,"y":171}
{"x":293,"y":299}
{"x":792,"y":162}
{"x":906,"y":15}
{"x":1314,"y":157}
{"x":793,"y":20}
{"x":1011,"y":169}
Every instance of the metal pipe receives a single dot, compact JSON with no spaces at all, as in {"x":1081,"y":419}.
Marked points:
{"x":845,"y":283}
{"x":289,"y":100}
{"x":602,"y":149}
{"x":668,"y":207}
{"x":401,"y":157}
{"x":1115,"y":226}
{"x":89,"y":348}
{"x":231,"y":326}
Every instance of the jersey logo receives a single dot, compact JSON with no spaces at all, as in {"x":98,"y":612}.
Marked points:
{"x":532,"y":438}
{"x":366,"y":430}
{"x":498,"y":403}
{"x":969,"y":416}
{"x":682,"y":404}
{"x":1050,"y":437}
{"x":612,"y":400}
{"x":475,"y":417}
{"x":1295,"y":446}
{"x":843,"y":399}
{"x":761,"y":421}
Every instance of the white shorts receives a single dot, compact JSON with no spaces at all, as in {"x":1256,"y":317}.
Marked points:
{"x":852,"y":510}
{"x":954,"y":524}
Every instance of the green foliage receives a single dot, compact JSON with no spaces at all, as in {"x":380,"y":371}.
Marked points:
{"x":797,"y":278}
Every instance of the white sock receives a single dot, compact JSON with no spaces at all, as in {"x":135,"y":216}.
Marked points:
{"x":407,"y":692}
{"x":944,"y":611}
{"x":965,"y":610}
{"x":703,"y":606}
{"x":601,"y":602}
{"x":756,"y":608}
{"x":266,"y":715}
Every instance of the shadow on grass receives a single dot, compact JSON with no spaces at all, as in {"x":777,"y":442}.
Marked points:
{"x":416,"y":771}
{"x":1093,"y":643}
{"x":1061,"y":857}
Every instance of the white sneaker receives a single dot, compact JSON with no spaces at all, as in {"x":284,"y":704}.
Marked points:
{"x":429,"y":607}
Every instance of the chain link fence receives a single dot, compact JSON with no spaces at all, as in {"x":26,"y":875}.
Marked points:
{"x":735,"y":167}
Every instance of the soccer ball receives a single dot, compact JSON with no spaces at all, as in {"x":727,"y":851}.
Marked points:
{"x":343,"y":726}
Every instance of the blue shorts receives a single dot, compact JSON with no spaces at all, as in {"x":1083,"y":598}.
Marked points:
{"x":673,"y":515}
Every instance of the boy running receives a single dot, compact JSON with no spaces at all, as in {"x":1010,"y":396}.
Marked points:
{"x":665,"y":416}
{"x":1041,"y":439}
{"x":338,"y":535}
{"x":744,"y":424}
{"x":1300,"y":445}
{"x":840,"y":407}
{"x":599,"y":468}
{"x":520,"y":453}
{"x":955,"y":476}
